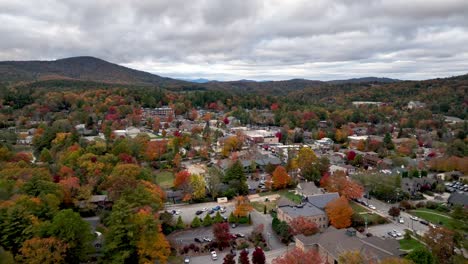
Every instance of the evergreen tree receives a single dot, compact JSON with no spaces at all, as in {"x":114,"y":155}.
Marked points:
{"x":196,"y":222}
{"x":180,"y":224}
{"x":218,"y":218}
{"x":207,"y":221}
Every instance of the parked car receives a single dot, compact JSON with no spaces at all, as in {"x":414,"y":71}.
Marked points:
{"x":233,"y":225}
{"x":401,"y":220}
{"x":199,"y":212}
{"x":186,"y":259}
{"x":211,"y":212}
{"x":207,"y":239}
{"x":204,"y":209}
{"x":372,"y":207}
{"x":240,"y":235}
{"x":392,"y":234}
{"x":216,"y":208}
{"x":198,"y":240}
{"x":414,"y":218}
{"x":214,"y":256}
{"x":424,"y":222}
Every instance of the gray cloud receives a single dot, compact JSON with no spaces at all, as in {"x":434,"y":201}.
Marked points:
{"x":252,"y":39}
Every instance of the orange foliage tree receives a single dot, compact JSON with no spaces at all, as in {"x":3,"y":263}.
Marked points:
{"x":338,"y":182}
{"x":280,"y":178}
{"x":243,"y":206}
{"x":43,"y":250}
{"x":298,"y":256}
{"x":339,"y":212}
{"x":155,"y":149}
{"x":302,"y":225}
{"x":182,"y":179}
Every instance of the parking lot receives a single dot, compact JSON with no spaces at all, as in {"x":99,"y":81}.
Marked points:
{"x":188,"y":211}
{"x":382,"y":230}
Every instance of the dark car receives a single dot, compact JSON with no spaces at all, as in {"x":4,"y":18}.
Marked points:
{"x":424,"y":222}
{"x":211,"y":212}
{"x":199,"y":212}
{"x":216,"y":208}
{"x":198,"y":240}
{"x":240,"y":235}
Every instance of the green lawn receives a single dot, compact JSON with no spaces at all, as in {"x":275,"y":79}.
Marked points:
{"x":165,"y":179}
{"x":285,"y":193}
{"x":438,"y":218}
{"x":410,"y":244}
{"x":259,"y":206}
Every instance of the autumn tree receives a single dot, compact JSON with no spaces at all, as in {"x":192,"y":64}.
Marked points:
{"x":48,"y":250}
{"x":339,"y":212}
{"x":243,"y":206}
{"x":176,"y":161}
{"x":339,"y":182}
{"x":229,"y":259}
{"x":232,"y":143}
{"x":303,"y":225}
{"x":258,"y":256}
{"x":198,"y":186}
{"x":394,"y":211}
{"x":244,"y":257}
{"x":280,"y":178}
{"x":441,"y":242}
{"x":221,"y":233}
{"x":182,"y":179}
{"x":298,"y":256}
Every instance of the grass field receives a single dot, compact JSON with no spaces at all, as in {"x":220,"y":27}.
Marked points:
{"x":165,"y":179}
{"x":440,"y":218}
{"x":259,"y":206}
{"x":285,"y":193}
{"x":410,"y":244}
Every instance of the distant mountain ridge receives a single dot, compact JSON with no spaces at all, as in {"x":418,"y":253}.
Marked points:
{"x":86,"y":68}
{"x":83,"y":68}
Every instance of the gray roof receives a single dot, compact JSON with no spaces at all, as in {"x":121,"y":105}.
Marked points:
{"x":306,"y":210}
{"x":98,"y":198}
{"x":308,"y":188}
{"x":458,"y":198}
{"x":284,"y":202}
{"x":321,"y":200}
{"x":337,"y":241}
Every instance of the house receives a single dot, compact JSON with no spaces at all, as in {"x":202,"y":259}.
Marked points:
{"x":415,"y":104}
{"x":371,"y":159}
{"x":308,"y":188}
{"x":312,"y":208}
{"x":334,"y":242}
{"x":458,"y":199}
{"x":413,"y":185}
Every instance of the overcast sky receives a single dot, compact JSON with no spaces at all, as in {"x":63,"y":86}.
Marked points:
{"x":250,"y":39}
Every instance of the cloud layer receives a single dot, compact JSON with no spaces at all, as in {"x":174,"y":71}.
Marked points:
{"x":251,"y":39}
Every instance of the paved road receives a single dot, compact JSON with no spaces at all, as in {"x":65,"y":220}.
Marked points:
{"x":382,"y":209}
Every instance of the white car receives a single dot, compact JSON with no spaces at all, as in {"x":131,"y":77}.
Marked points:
{"x":177,"y":212}
{"x":372,"y":207}
{"x":401,"y":220}
{"x":214,"y":256}
{"x":414,"y":218}
{"x":204,"y":209}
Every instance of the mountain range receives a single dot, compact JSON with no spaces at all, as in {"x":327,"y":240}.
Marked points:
{"x":86,"y":68}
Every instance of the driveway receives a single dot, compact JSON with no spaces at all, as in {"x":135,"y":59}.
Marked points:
{"x":269,"y":256}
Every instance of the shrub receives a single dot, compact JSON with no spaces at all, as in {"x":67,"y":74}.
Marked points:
{"x":420,"y":204}
{"x":196,"y":222}
{"x":431,"y":205}
{"x":406,"y":205}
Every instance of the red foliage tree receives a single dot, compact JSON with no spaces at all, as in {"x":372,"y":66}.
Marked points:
{"x":244,"y":257}
{"x":258,"y":256}
{"x":221,"y":233}
{"x":302,"y":225}
{"x":339,"y":182}
{"x":182,"y":178}
{"x":351,"y":155}
{"x":298,"y":256}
